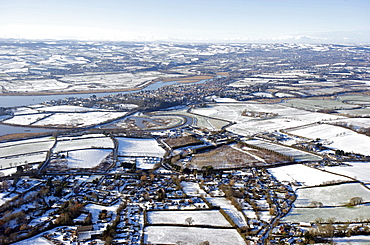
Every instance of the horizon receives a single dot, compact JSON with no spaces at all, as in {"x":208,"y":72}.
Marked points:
{"x":247,"y":21}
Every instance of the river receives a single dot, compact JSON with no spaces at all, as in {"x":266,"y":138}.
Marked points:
{"x":24,"y":100}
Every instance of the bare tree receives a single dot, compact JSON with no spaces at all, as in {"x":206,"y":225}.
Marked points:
{"x":189,"y":221}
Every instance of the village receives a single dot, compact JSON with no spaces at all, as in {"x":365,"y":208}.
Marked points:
{"x":259,"y":149}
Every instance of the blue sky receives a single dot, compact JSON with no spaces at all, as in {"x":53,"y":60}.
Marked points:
{"x":212,"y":20}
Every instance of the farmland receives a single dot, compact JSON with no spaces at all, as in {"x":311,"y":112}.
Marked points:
{"x":25,"y":147}
{"x":253,"y":144}
{"x":226,"y":157}
{"x":74,"y":143}
{"x":192,"y":235}
{"x":336,"y":137}
{"x":336,"y":195}
{"x":139,"y":147}
{"x":356,"y":170}
{"x":204,"y":217}
{"x":338,"y":214}
{"x":302,"y":175}
{"x":296,"y":155}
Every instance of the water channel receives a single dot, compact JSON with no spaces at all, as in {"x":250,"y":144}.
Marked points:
{"x":25,"y":100}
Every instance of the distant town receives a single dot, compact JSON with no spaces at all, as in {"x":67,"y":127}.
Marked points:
{"x":170,"y":143}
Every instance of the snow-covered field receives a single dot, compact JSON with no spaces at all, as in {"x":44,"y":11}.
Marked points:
{"x":357,"y":170}
{"x":352,"y":240}
{"x":298,"y":155}
{"x":304,"y":175}
{"x":65,"y":108}
{"x":336,"y":137}
{"x":192,"y":189}
{"x":26,"y":119}
{"x":35,"y":241}
{"x":190,"y":235}
{"x":82,"y":119}
{"x":70,"y":143}
{"x":139,"y":147}
{"x":340,"y":214}
{"x":356,"y":122}
{"x":87,"y":158}
{"x":230,"y":209}
{"x":335,"y":195}
{"x":287,"y":117}
{"x":22,"y":147}
{"x":201,"y":217}
{"x":22,"y":159}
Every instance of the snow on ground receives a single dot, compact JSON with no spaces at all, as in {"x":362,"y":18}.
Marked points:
{"x":190,"y":235}
{"x":7,"y":172}
{"x":230,"y":209}
{"x":298,"y":155}
{"x":95,"y":209}
{"x":305,"y":176}
{"x":336,"y":137}
{"x":139,"y":147}
{"x":356,"y":170}
{"x":352,"y":240}
{"x":26,"y":119}
{"x":65,"y":108}
{"x":287,"y":117}
{"x":147,"y":162}
{"x":340,"y":214}
{"x":223,"y":100}
{"x":87,"y":158}
{"x":25,"y":147}
{"x":70,"y":143}
{"x":57,"y":233}
{"x":192,"y":189}
{"x":82,"y":119}
{"x":201,"y":217}
{"x":35,"y":241}
{"x":357,"y":122}
{"x":22,"y":159}
{"x":334,"y":195}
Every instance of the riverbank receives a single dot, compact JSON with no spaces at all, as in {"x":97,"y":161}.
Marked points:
{"x":192,"y":79}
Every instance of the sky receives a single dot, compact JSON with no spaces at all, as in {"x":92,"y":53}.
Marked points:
{"x":187,"y":20}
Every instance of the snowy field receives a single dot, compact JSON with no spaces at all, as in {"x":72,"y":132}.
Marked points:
{"x":353,"y":240}
{"x":304,"y":175}
{"x":336,"y":137}
{"x":357,"y":170}
{"x":340,"y":214}
{"x":82,"y":119}
{"x":22,"y":147}
{"x":25,"y":119}
{"x":88,"y":158}
{"x":298,"y":155}
{"x":230,"y":209}
{"x":192,"y":189}
{"x":35,"y":241}
{"x":204,"y":217}
{"x":357,"y":122}
{"x":65,"y":108}
{"x":190,"y":235}
{"x":139,"y":147}
{"x":22,"y":159}
{"x":70,"y":143}
{"x":335,"y":195}
{"x":287,"y":117}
